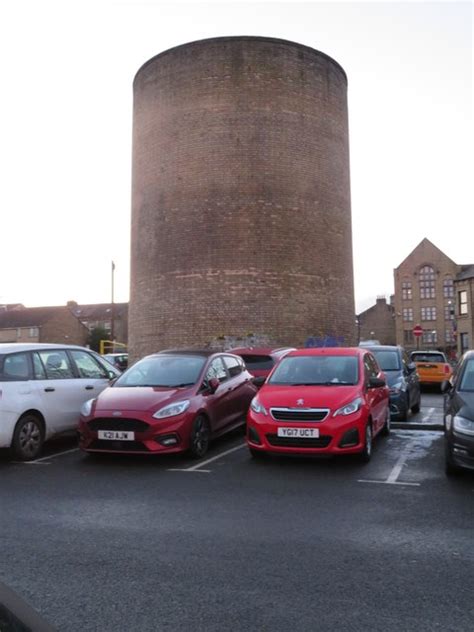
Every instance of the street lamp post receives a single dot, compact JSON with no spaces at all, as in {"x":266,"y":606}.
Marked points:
{"x":112,"y":314}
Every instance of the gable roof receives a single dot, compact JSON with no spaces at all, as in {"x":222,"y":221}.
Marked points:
{"x":423,"y":243}
{"x":467,"y":272}
{"x":99,"y":311}
{"x":29,"y":316}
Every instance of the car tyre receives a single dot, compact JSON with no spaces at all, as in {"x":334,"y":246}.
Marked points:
{"x":366,"y":453}
{"x":449,"y":467}
{"x":200,"y":437}
{"x":258,"y":455}
{"x":416,"y":408}
{"x":386,"y":427}
{"x":28,"y":438}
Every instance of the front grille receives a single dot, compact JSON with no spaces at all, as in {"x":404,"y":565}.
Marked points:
{"x":117,"y":423}
{"x":294,"y":442}
{"x":125,"y":446}
{"x":296,"y":414}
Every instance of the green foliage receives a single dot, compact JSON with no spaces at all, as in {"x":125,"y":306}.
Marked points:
{"x":96,"y":335}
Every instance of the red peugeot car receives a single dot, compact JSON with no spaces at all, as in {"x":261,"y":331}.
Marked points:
{"x":169,"y":402}
{"x":320,"y":401}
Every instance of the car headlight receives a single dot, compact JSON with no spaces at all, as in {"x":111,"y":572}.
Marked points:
{"x":257,"y":407}
{"x":86,"y":407}
{"x":463,"y":425}
{"x":350,"y":408}
{"x":396,"y":388}
{"x":172,"y":409}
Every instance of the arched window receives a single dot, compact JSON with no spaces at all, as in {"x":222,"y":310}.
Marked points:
{"x":427,"y":282}
{"x":448,"y":288}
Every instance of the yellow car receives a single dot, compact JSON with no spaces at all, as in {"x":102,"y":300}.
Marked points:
{"x":432,"y":366}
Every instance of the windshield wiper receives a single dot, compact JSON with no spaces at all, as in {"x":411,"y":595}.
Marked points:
{"x":181,"y":385}
{"x":322,"y":384}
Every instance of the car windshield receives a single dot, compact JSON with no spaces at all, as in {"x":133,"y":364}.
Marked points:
{"x":388,"y":360}
{"x":428,"y":357}
{"x":164,"y":370}
{"x":313,"y":370}
{"x":467,"y":381}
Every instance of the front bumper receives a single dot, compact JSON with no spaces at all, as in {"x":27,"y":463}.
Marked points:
{"x":337,"y":435}
{"x":461,"y":450}
{"x":151,"y":436}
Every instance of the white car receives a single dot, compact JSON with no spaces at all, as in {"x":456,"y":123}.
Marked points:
{"x":42,"y":388}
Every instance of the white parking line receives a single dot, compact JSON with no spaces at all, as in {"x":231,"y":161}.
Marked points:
{"x":427,"y":417}
{"x":198,"y":467}
{"x":396,"y":470}
{"x":46,"y":458}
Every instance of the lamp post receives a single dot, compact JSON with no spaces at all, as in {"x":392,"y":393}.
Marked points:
{"x":112,"y":315}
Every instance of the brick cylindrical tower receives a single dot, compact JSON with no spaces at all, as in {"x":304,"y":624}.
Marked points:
{"x":241,"y":219}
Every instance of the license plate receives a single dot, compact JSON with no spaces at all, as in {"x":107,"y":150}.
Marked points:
{"x":299,"y":433}
{"x":116,"y":435}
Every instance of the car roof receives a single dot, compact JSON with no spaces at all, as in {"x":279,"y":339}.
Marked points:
{"x":383,"y":348}
{"x":259,"y":350}
{"x":428,"y":352}
{"x":332,"y":351}
{"x":11,"y":347}
{"x":199,"y":352}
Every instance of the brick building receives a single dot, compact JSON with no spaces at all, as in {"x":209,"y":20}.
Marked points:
{"x":378,"y":322}
{"x":99,"y":315}
{"x":464,"y":288}
{"x":42,"y":324}
{"x":433,"y":291}
{"x":241,"y":218}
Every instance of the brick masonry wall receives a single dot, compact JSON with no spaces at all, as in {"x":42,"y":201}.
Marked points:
{"x":379,"y":319}
{"x":241,"y":215}
{"x":64,"y":328}
{"x":425,"y":253}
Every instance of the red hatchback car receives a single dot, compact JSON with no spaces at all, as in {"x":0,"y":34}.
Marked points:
{"x":320,"y":401}
{"x":169,"y":402}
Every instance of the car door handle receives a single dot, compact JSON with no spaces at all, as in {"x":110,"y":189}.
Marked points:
{"x":89,"y":388}
{"x":49,"y":389}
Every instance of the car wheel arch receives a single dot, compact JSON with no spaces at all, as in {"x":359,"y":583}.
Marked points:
{"x":36,"y":413}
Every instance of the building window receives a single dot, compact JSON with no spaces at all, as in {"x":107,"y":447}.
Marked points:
{"x":408,"y":337}
{"x":406,"y":291}
{"x":428,"y":313}
{"x":427,"y":282}
{"x":449,"y":312}
{"x":407,"y":314}
{"x":430,"y":336}
{"x":449,"y":336}
{"x":464,"y":342}
{"x":463,"y":302}
{"x":34,"y":331}
{"x":448,"y":288}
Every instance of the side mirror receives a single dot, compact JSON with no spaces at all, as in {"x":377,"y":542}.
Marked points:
{"x":446,"y":386}
{"x":411,"y":367}
{"x":112,"y":375}
{"x":258,"y":381}
{"x":376,"y":382}
{"x":213,"y":385}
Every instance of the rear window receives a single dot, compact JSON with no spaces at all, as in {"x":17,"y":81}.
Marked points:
{"x":428,"y":357}
{"x":388,"y":360}
{"x":258,"y":362}
{"x":14,"y":367}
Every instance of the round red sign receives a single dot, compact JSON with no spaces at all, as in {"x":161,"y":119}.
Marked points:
{"x":417,"y":330}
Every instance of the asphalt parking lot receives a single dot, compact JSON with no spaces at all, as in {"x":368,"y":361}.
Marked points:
{"x":228,"y":543}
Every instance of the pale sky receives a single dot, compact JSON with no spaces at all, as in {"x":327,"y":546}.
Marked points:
{"x":66,"y":116}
